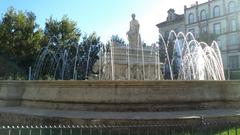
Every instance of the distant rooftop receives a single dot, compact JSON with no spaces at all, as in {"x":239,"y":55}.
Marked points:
{"x":172,"y":18}
{"x":196,"y":3}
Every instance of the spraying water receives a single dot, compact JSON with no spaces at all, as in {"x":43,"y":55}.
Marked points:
{"x":190,"y":60}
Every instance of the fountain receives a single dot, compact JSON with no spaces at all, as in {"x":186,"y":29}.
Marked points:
{"x":195,"y":61}
{"x":129,"y":82}
{"x":64,"y":62}
{"x":192,"y":60}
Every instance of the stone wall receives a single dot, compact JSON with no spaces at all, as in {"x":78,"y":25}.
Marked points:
{"x":125,"y":63}
{"x":121,"y":95}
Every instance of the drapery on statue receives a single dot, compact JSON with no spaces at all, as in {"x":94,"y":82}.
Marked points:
{"x":133,"y":33}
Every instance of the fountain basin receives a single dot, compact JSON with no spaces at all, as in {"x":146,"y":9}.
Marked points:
{"x":121,"y":95}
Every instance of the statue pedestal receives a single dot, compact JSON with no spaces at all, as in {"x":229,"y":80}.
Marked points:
{"x":125,"y":63}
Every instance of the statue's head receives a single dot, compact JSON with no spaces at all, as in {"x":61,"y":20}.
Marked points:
{"x":133,"y":16}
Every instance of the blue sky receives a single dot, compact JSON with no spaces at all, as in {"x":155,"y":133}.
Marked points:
{"x":105,"y":17}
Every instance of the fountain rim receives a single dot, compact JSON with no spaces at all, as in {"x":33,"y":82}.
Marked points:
{"x":119,"y":82}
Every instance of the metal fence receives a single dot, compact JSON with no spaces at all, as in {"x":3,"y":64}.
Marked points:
{"x":202,"y":129}
{"x":228,"y":129}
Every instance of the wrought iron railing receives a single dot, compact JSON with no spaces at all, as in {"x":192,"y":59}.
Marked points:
{"x":203,"y":128}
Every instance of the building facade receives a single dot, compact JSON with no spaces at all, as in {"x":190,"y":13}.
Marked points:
{"x":173,"y":22}
{"x":218,"y":17}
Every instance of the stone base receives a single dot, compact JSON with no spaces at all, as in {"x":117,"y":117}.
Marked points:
{"x":104,"y":107}
{"x":29,"y":116}
{"x":121,"y":95}
{"x":118,"y":102}
{"x":133,"y":72}
{"x":125,"y":63}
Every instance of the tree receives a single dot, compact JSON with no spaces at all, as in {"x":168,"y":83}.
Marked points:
{"x":20,"y":38}
{"x":163,"y":51}
{"x":207,"y":37}
{"x":60,"y":36}
{"x":64,"y":30}
{"x":64,"y":57}
{"x":167,"y":55}
{"x":116,"y":38}
{"x":89,"y":50}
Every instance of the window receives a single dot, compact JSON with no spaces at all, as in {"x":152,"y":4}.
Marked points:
{"x":216,"y":11}
{"x":231,"y":6}
{"x":234,"y":62}
{"x":233,"y":25}
{"x":190,"y":18}
{"x":217,"y":28}
{"x":234,"y":39}
{"x":203,"y":15}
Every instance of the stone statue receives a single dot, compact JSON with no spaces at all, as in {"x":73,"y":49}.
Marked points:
{"x":133,"y":33}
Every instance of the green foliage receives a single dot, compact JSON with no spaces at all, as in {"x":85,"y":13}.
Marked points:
{"x":68,"y":61}
{"x":116,"y":38}
{"x":9,"y":70}
{"x":207,"y":37}
{"x":89,"y":50}
{"x":65,"y":34}
{"x":64,"y":30}
{"x":20,"y":38}
{"x":163,"y":51}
